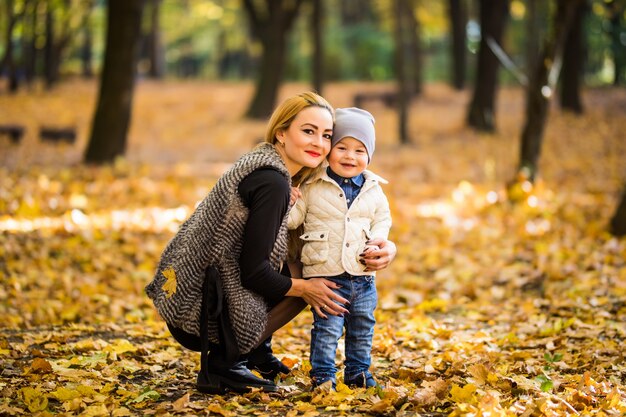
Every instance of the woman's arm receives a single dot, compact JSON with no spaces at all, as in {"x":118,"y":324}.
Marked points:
{"x":318,"y":293}
{"x":266,"y":193}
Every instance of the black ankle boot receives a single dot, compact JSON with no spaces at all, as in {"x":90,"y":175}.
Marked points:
{"x":263,"y":361}
{"x":218,"y":377}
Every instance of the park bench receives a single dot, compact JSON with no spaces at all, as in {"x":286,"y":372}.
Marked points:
{"x":14,"y":132}
{"x":57,"y":134}
{"x":388,"y":98}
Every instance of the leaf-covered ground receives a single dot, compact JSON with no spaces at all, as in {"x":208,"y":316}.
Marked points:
{"x":497,"y":304}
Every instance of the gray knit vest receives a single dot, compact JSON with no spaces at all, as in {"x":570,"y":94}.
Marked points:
{"x":213,"y":235}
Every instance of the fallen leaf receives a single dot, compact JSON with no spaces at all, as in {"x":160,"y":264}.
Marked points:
{"x":170,"y":285}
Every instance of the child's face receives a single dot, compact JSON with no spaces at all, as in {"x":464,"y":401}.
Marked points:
{"x":348,"y":157}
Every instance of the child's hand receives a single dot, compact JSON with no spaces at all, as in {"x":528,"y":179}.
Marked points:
{"x":295,"y":195}
{"x":370,"y":248}
{"x":375,"y":260}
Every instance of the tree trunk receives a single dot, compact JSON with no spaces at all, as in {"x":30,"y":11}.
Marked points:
{"x":317,"y":17}
{"x":573,"y":60}
{"x":616,"y":10}
{"x":269,"y":78}
{"x":481,"y":115}
{"x":532,"y":35}
{"x":402,"y":87}
{"x":353,"y":12}
{"x":8,"y":60}
{"x":50,"y":66}
{"x":414,"y":75}
{"x":541,"y":87}
{"x":271,"y":27}
{"x":618,"y":222}
{"x":86,"y":52}
{"x":30,"y":48}
{"x":113,"y":112}
{"x":458,"y":20}
{"x":155,"y":52}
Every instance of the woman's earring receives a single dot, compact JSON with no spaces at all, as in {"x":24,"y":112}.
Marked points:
{"x":282,"y":144}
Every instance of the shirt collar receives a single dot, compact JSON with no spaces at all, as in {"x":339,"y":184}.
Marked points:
{"x":358,"y":180}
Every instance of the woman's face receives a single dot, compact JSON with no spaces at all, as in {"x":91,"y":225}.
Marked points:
{"x":307,"y":140}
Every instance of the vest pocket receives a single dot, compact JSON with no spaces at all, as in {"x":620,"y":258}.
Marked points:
{"x":315,"y":249}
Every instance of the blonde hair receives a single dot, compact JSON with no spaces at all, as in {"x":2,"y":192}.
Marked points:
{"x":280,"y":120}
{"x":284,"y":115}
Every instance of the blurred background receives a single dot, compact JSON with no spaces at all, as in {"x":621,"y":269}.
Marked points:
{"x":193,"y":81}
{"x":216,"y":40}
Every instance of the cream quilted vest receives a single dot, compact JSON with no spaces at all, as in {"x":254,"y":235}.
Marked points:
{"x":334,"y":235}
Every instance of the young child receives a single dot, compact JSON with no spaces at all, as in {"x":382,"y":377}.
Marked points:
{"x":342,"y":208}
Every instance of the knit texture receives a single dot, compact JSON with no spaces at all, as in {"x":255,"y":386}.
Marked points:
{"x":213,"y":235}
{"x":358,"y":124}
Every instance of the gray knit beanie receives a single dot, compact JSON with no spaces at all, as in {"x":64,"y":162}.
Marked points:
{"x":356,"y":123}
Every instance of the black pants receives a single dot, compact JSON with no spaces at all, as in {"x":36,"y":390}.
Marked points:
{"x":212,"y":289}
{"x":188,"y":340}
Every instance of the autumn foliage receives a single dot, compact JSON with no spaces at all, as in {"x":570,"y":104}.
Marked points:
{"x":503,"y":301}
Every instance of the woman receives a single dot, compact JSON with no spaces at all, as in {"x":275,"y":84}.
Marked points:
{"x":217,"y":284}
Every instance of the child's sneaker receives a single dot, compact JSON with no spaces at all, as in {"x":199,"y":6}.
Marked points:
{"x":326,"y":386}
{"x":362,"y":380}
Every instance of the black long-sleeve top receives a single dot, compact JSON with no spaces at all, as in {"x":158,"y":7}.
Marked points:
{"x":266,"y":194}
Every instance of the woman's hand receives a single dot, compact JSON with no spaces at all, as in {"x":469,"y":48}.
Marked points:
{"x":318,"y":293}
{"x":375,"y":260}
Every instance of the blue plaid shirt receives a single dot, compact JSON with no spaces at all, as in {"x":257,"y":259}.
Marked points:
{"x":350,"y":186}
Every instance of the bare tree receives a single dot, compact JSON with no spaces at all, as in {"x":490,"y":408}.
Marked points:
{"x":155,"y":53}
{"x":533,"y":30}
{"x":29,"y":46}
{"x":403,"y":91}
{"x":573,"y":60}
{"x":9,"y":61}
{"x":414,"y":47}
{"x":615,"y":9}
{"x":86,"y":52}
{"x":271,"y":21}
{"x":113,"y":112}
{"x":618,"y":222}
{"x":63,"y":22}
{"x":481,"y":114}
{"x":458,"y":19}
{"x":317,"y":19}
{"x":542,"y":83}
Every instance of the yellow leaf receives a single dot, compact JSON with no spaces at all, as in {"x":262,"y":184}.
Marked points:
{"x":217,"y":409}
{"x":303,"y":407}
{"x":480,"y":373}
{"x":170,"y":285}
{"x":121,"y":412}
{"x":86,"y":391}
{"x":463,"y":395}
{"x":65,"y":394}
{"x":381,"y":407}
{"x":41,"y":366}
{"x":75,"y":405}
{"x":95,"y":411}
{"x":120,"y":346}
{"x":34,"y":399}
{"x":181,"y":403}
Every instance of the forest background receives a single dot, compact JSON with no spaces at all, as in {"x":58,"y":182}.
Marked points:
{"x":508,"y":294}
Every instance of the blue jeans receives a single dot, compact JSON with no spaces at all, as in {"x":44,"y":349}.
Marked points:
{"x":360,"y":291}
